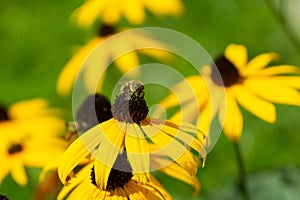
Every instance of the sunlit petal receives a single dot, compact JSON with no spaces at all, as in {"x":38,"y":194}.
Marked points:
{"x":237,"y":54}
{"x":257,"y":106}
{"x":273,"y":91}
{"x":231,"y":118}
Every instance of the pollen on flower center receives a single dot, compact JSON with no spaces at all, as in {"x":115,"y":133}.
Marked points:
{"x":3,"y":114}
{"x":117,"y":178}
{"x":229,"y":73}
{"x":106,"y":30}
{"x":130,"y":105}
{"x":15,"y":148}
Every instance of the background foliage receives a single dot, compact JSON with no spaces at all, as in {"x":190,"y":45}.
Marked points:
{"x":37,"y":39}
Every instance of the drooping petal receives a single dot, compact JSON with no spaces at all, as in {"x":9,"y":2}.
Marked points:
{"x":112,"y":144}
{"x":82,"y":175}
{"x":257,"y":106}
{"x":173,"y":149}
{"x":237,"y":54}
{"x":176,"y":171}
{"x":102,"y":172}
{"x":258,"y":63}
{"x":77,"y":151}
{"x":273,"y":91}
{"x":231,"y":118}
{"x":138,"y":151}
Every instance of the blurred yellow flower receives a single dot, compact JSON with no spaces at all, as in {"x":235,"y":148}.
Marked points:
{"x":131,"y":130}
{"x":251,"y":84}
{"x":124,"y":63}
{"x":133,"y":10}
{"x":121,"y":185}
{"x":33,"y":117}
{"x":28,"y":137}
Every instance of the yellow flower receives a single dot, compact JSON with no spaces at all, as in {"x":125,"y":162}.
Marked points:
{"x":251,"y":85}
{"x":33,"y":117}
{"x":122,"y":185}
{"x":133,"y":10}
{"x":124,"y":63}
{"x":26,"y":138}
{"x":131,"y":130}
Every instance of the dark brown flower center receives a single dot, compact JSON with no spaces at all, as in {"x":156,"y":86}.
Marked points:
{"x":106,"y":30}
{"x":225,"y":73}
{"x":117,"y":178}
{"x":15,"y":148}
{"x":94,"y":110}
{"x":2,"y":197}
{"x":3,"y":114}
{"x":130,"y":105}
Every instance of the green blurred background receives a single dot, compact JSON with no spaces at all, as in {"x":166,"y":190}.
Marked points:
{"x":37,"y":39}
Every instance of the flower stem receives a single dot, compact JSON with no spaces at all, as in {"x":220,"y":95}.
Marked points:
{"x":282,"y":21}
{"x":243,"y":175}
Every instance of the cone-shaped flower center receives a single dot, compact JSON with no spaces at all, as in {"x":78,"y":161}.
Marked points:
{"x":87,"y":118}
{"x":229,"y":73}
{"x":3,"y":114}
{"x":130,"y":105}
{"x":15,"y":148}
{"x":106,"y":30}
{"x":117,"y":178}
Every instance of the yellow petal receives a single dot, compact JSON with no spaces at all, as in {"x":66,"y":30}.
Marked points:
{"x":258,"y":63}
{"x":137,"y":151}
{"x":179,"y":173}
{"x":18,"y":172}
{"x":194,"y":84}
{"x":68,"y":74}
{"x":257,"y":106}
{"x":80,"y":177}
{"x":102,"y":172}
{"x":166,"y":7}
{"x":231,"y":118}
{"x":77,"y":151}
{"x":4,"y":170}
{"x":237,"y":54}
{"x":289,"y":81}
{"x":127,"y":62}
{"x":209,"y":110}
{"x":112,"y":13}
{"x":280,"y":69}
{"x":273,"y":91}
{"x":111,"y":145}
{"x":87,"y":14}
{"x":133,"y":11}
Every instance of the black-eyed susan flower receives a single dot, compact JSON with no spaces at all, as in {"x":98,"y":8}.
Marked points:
{"x":131,"y":130}
{"x":21,"y":144}
{"x":33,"y":117}
{"x":124,"y":63}
{"x":251,"y":85}
{"x":133,"y":10}
{"x":94,"y":110}
{"x":121,"y":185}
